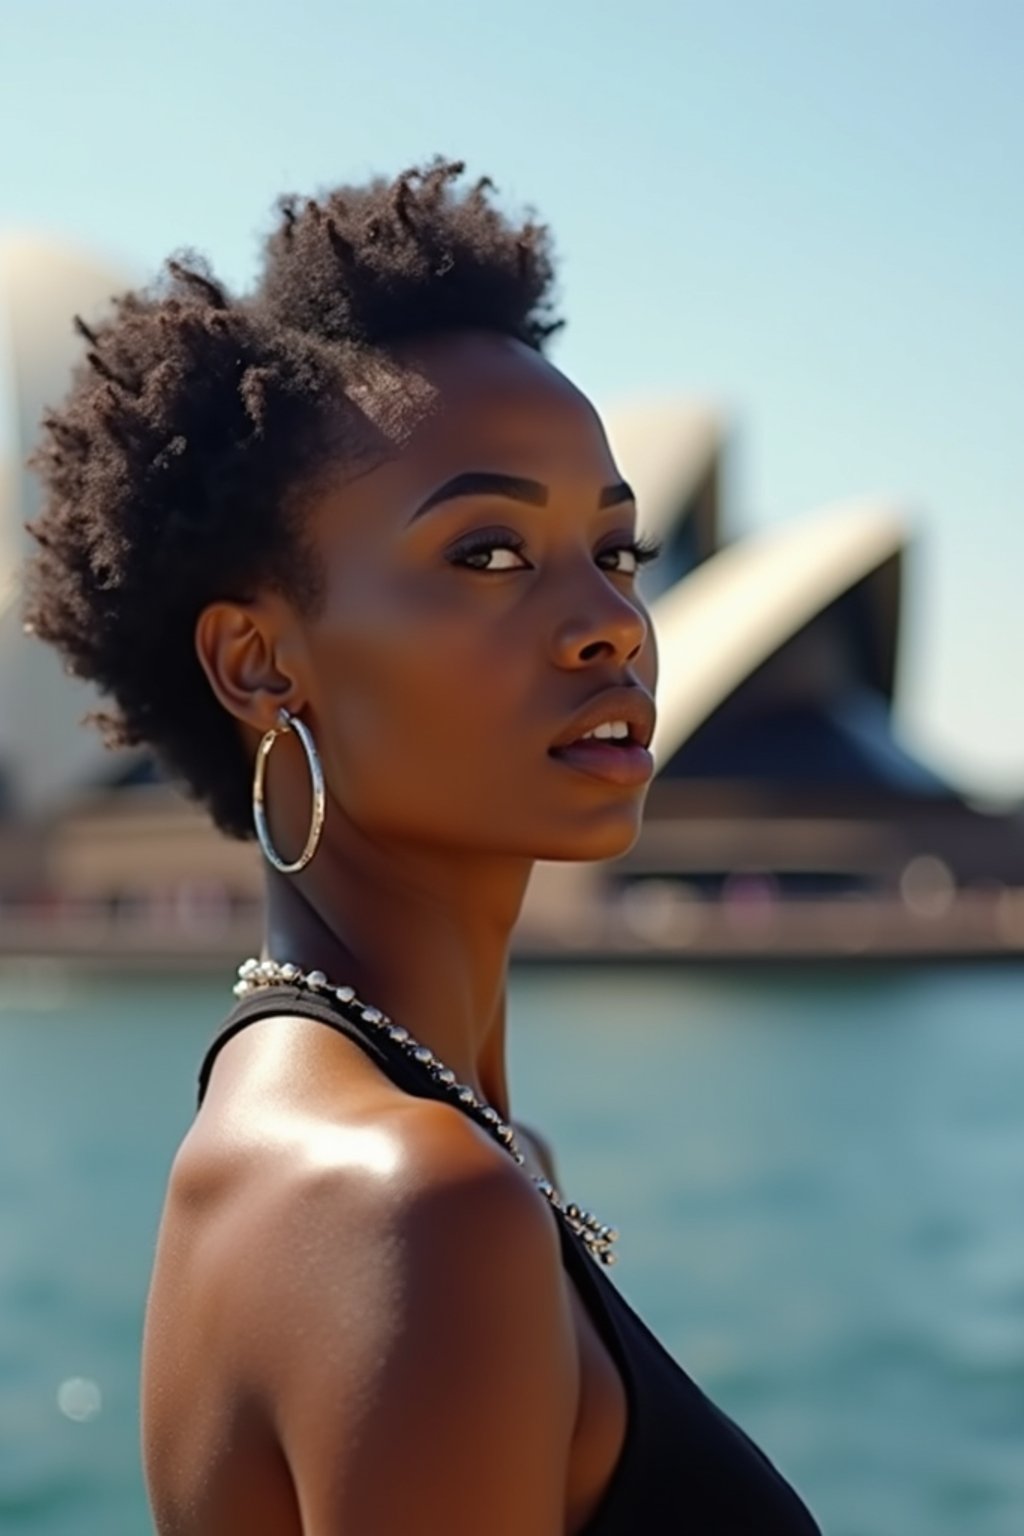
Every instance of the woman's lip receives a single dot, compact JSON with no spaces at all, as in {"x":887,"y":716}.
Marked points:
{"x":629,"y":765}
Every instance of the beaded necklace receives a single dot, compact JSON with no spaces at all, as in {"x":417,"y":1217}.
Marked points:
{"x":254,"y":974}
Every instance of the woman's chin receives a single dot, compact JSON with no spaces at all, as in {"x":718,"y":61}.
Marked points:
{"x":608,"y":841}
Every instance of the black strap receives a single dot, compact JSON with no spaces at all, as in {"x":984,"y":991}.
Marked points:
{"x":280,"y":998}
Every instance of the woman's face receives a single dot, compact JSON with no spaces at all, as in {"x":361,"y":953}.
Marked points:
{"x":436,"y":688}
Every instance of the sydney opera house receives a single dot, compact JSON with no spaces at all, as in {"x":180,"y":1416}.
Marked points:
{"x":786,"y":818}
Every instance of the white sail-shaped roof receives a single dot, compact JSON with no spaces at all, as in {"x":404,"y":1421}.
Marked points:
{"x":729,"y":615}
{"x":43,"y":749}
{"x":665,"y":449}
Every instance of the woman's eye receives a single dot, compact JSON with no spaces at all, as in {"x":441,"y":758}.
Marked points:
{"x":630,"y":569}
{"x":478,"y":555}
{"x":638,"y":552}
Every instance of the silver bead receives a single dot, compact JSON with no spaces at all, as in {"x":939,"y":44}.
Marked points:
{"x":344,"y":994}
{"x":248,"y":968}
{"x":446,"y":1075}
{"x":423,"y":1053}
{"x":289,"y":972}
{"x":316,"y":979}
{"x":398,"y":1032}
{"x":240,"y":988}
{"x":372,"y":1015}
{"x":492,"y":1115}
{"x":467,"y":1095}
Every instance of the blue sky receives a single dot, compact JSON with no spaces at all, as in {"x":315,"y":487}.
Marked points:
{"x":810,"y":214}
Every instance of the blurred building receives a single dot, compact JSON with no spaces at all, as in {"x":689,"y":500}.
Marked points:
{"x":44,"y":753}
{"x":787,"y":817}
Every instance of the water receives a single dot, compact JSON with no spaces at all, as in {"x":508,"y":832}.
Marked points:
{"x":818,"y":1178}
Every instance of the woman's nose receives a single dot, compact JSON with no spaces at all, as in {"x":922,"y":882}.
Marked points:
{"x":602,"y":625}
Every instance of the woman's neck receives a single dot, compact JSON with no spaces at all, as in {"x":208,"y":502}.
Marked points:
{"x":424,"y":938}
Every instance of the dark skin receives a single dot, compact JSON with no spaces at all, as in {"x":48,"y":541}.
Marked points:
{"x":433,"y":691}
{"x":315,"y":1303}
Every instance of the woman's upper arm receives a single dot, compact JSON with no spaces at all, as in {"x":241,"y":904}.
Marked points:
{"x":426,"y":1374}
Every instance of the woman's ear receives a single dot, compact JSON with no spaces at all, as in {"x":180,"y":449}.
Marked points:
{"x":245,"y":649}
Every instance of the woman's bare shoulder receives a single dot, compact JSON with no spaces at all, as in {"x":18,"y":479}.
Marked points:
{"x":358,"y":1195}
{"x":353,"y":1288}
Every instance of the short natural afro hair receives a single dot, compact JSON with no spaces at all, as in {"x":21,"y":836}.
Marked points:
{"x":174,"y":472}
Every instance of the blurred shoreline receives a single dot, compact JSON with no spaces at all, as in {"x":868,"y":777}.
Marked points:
{"x":203,"y":933}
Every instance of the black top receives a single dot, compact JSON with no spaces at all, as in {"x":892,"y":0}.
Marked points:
{"x":685,"y":1467}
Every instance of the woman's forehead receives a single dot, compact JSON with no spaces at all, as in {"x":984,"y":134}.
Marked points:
{"x":469,"y":401}
{"x":495,"y":396}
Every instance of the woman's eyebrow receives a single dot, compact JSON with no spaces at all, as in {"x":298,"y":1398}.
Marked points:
{"x":485,"y":482}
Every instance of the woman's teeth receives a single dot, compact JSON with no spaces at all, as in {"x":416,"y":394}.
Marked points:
{"x":613,"y":730}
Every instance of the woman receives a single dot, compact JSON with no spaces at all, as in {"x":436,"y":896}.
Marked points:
{"x":356,"y":561}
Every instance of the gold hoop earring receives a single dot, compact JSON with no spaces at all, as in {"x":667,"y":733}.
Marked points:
{"x":288,"y":722}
